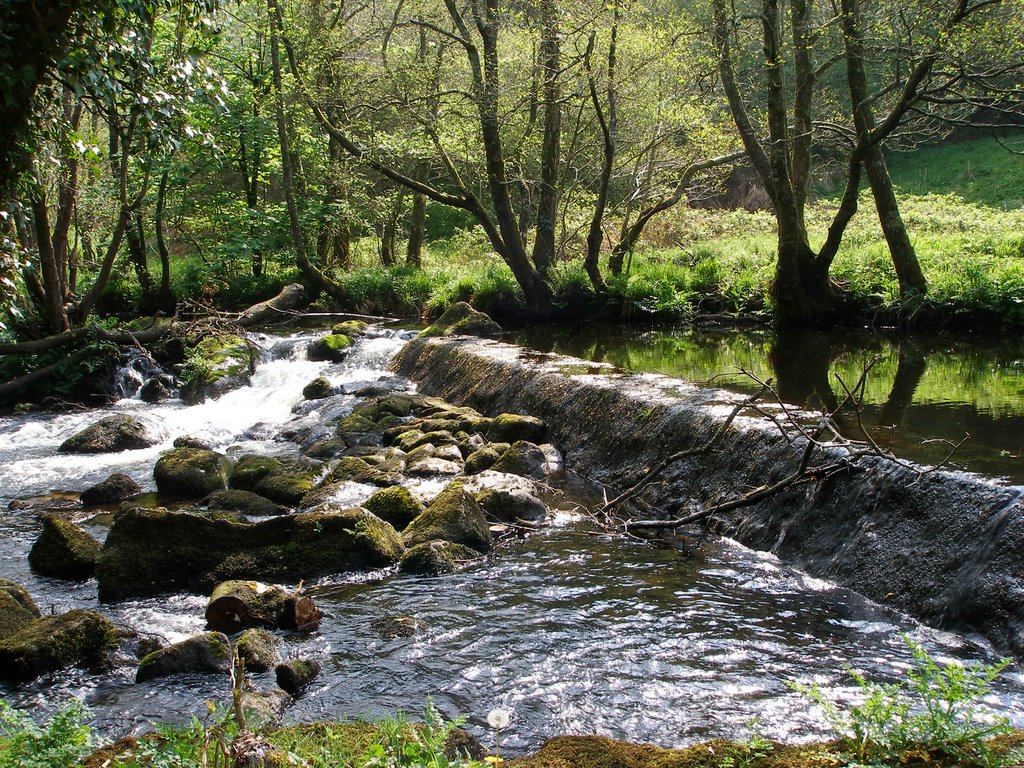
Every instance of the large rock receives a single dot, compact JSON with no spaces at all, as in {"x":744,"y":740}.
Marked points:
{"x":395,"y":505}
{"x":239,"y":604}
{"x":510,"y":427}
{"x":54,"y":642}
{"x":63,"y":550}
{"x":281,"y":481}
{"x":217,"y":365}
{"x":507,"y":498}
{"x":295,"y":676}
{"x":333,"y":347}
{"x":17,"y":609}
{"x":110,"y":435}
{"x":149,"y":551}
{"x":522,"y":458}
{"x":453,"y":516}
{"x":206,"y":653}
{"x":190,"y":473}
{"x":117,"y":487}
{"x":246,"y":502}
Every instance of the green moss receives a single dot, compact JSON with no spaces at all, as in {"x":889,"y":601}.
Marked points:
{"x":317,"y":389}
{"x":433,"y":558}
{"x":55,"y":641}
{"x":394,"y":505}
{"x":14,"y":614}
{"x":355,"y":423}
{"x":258,"y":649}
{"x":63,"y":550}
{"x":246,"y":502}
{"x":461,"y":318}
{"x":287,"y":488}
{"x":250,"y":469}
{"x":358,"y":470}
{"x":209,"y":652}
{"x":336,"y":341}
{"x":453,"y":516}
{"x":350,"y":328}
{"x":510,"y":427}
{"x":481,"y":459}
{"x":190,"y":473}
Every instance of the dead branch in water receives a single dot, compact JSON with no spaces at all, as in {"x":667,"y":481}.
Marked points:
{"x":843,"y":455}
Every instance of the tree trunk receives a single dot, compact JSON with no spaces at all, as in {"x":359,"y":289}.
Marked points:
{"x":136,"y":237}
{"x":166,"y":300}
{"x":417,"y":222}
{"x":547,"y":198}
{"x":54,"y":315}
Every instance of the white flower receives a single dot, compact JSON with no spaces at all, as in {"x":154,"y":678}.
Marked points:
{"x":498,"y":718}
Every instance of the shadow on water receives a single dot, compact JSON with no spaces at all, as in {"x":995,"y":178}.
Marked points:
{"x":922,"y":394}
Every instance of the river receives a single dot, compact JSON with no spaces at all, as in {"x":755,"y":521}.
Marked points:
{"x":572,"y":632}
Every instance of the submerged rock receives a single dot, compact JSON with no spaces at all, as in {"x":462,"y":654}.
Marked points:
{"x":207,"y":653}
{"x":190,"y":473}
{"x":149,"y":551}
{"x":54,"y":642}
{"x":64,"y":550}
{"x":393,"y":627}
{"x":111,"y":435}
{"x":432,"y":558}
{"x":453,"y":516}
{"x":117,"y":487}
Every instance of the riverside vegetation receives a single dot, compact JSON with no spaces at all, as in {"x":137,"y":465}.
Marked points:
{"x":935,"y":716}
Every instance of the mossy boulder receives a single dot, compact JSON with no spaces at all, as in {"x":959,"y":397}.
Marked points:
{"x":317,"y":389}
{"x":208,"y":653}
{"x":17,"y":608}
{"x":117,"y":487}
{"x":522,"y":458}
{"x":332,"y":348}
{"x":111,"y":435}
{"x":288,"y":487}
{"x":54,"y":642}
{"x":453,"y":516}
{"x":63,"y":550}
{"x":357,"y":469}
{"x":461,"y":319}
{"x":251,"y":468}
{"x":217,"y":365}
{"x":481,"y":459}
{"x":432,"y":558}
{"x":190,"y":473}
{"x":324,"y":450}
{"x":151,"y":551}
{"x":246,"y":502}
{"x":258,"y":649}
{"x":350,"y":328}
{"x":510,"y":427}
{"x":395,"y":505}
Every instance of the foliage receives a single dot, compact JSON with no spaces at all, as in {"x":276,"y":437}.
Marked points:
{"x":61,"y":742}
{"x":934,"y":707}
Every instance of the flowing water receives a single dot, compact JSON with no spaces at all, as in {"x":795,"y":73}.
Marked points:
{"x":574,"y":633}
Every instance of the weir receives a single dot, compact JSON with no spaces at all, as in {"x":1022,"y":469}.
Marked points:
{"x":942,"y":546}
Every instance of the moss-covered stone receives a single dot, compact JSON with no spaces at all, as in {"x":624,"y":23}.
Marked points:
{"x":149,"y":551}
{"x":394,"y":627}
{"x":246,"y":502}
{"x":317,"y":389}
{"x":433,"y":558}
{"x":190,"y":473}
{"x":17,"y":609}
{"x":356,"y":469}
{"x":110,"y":435}
{"x":258,"y":649}
{"x":395,"y":505}
{"x":251,"y":468}
{"x":218,"y":365}
{"x":331,"y":448}
{"x":63,"y":550}
{"x":355,"y":423}
{"x":330,"y":348}
{"x":461,"y":319}
{"x":453,"y":516}
{"x":117,"y":487}
{"x":522,"y":458}
{"x":287,"y":488}
{"x":481,"y":459}
{"x":510,"y":427}
{"x":350,"y":328}
{"x":209,"y":652}
{"x":54,"y":642}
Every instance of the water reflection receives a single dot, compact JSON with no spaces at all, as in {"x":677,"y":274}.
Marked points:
{"x":921,"y":395}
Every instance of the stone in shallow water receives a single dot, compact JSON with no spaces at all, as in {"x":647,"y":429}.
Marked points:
{"x":111,"y":435}
{"x":117,"y":487}
{"x":64,"y":550}
{"x":209,"y":653}
{"x":54,"y":642}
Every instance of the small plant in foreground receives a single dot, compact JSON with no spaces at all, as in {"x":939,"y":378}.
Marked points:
{"x":750,"y":752}
{"x":63,"y":741}
{"x":936,"y":708}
